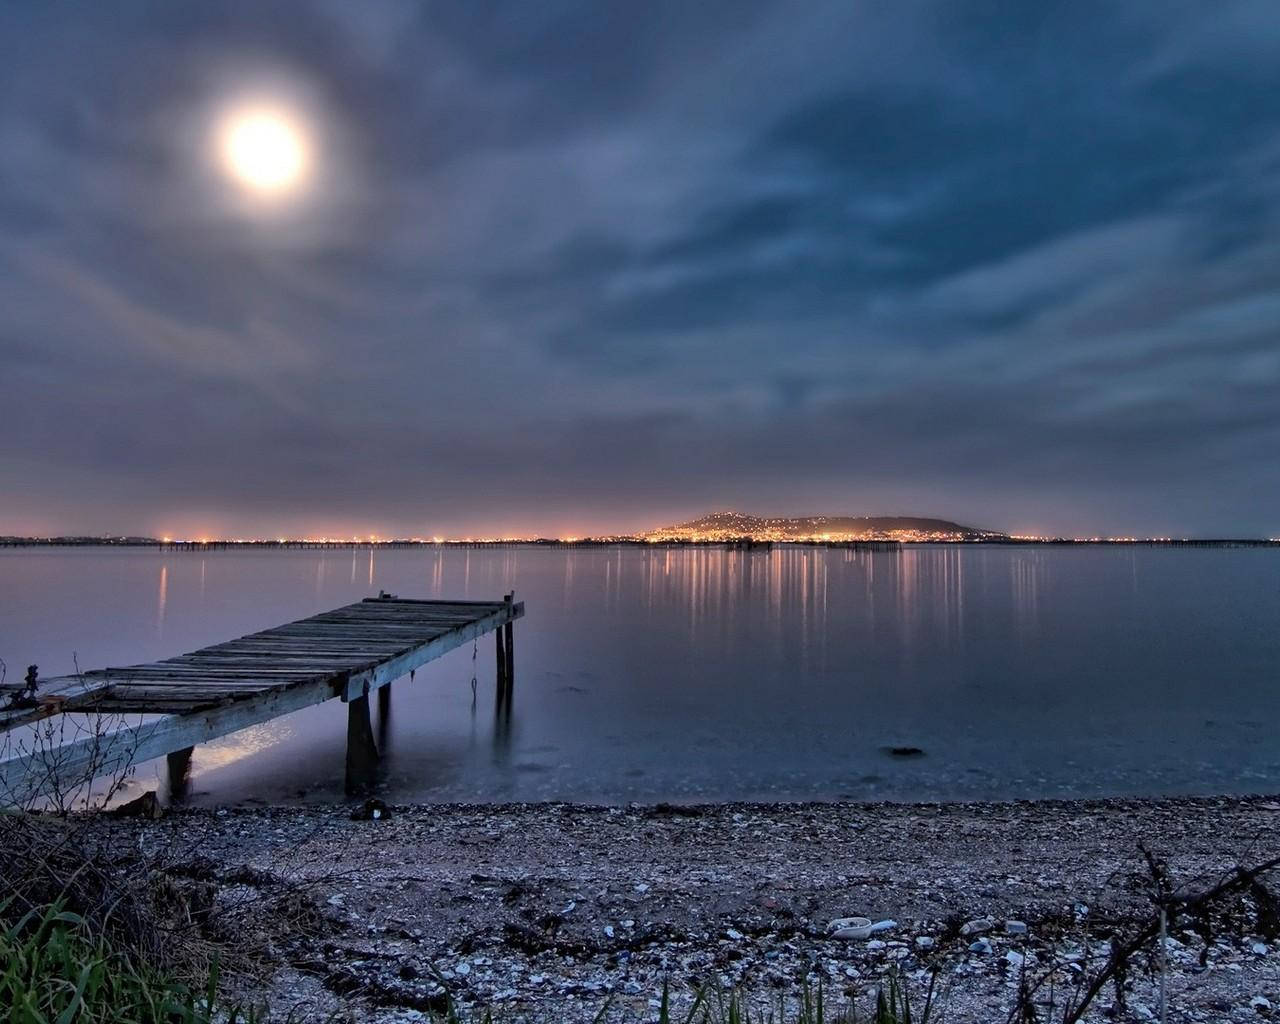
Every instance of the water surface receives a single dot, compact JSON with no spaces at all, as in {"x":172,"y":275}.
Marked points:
{"x":652,"y":674}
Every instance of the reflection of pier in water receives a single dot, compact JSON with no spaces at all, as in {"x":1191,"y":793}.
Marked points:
{"x":348,"y":653}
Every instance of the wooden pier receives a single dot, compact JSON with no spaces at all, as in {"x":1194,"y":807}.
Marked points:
{"x":347,"y":653}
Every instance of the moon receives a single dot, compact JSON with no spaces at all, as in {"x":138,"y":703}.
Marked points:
{"x":265,"y":150}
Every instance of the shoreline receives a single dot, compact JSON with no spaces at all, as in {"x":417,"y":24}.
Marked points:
{"x":553,"y":909}
{"x":733,"y":543}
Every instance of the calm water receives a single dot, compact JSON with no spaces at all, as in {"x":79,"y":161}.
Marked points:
{"x":711,"y":675}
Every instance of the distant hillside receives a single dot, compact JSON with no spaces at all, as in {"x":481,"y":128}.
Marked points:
{"x":728,"y":525}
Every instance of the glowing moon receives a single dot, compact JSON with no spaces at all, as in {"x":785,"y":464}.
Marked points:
{"x":265,"y":150}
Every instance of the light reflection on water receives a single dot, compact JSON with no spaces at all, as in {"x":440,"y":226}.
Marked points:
{"x":162,"y":598}
{"x":687,"y":674}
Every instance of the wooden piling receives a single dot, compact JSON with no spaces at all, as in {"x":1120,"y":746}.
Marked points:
{"x":362,"y":752}
{"x":511,"y":658}
{"x":500,"y":657}
{"x":179,"y":765}
{"x":384,"y":717}
{"x":508,"y":600}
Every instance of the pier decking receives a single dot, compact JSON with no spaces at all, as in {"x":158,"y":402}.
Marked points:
{"x":347,"y":653}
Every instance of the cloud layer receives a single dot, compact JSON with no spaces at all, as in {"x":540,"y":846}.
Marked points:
{"x":572,"y":267}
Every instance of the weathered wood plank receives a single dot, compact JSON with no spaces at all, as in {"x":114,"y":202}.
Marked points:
{"x":195,"y":684}
{"x":372,"y":613}
{"x":281,"y":661}
{"x":286,"y":648}
{"x":356,"y":633}
{"x":390,"y":613}
{"x":265,"y":668}
{"x":422,"y":601}
{"x":152,"y":706}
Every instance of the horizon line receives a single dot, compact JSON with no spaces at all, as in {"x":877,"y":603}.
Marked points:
{"x":978,"y":538}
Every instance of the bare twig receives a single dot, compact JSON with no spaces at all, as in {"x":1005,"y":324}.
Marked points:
{"x":1239,"y":880}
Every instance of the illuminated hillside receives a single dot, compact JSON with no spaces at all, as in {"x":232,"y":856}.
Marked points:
{"x":733,"y":525}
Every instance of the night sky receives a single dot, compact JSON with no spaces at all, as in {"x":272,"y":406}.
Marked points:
{"x":558,"y":268}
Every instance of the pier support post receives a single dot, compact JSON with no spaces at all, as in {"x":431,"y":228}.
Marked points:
{"x":509,"y":630}
{"x":362,"y":753}
{"x":179,"y":765}
{"x":500,"y":657}
{"x":384,"y":716}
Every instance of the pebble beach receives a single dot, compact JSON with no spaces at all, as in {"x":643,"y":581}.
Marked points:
{"x":551,"y":912}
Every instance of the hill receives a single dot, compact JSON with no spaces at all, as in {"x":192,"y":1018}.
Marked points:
{"x":732,"y":525}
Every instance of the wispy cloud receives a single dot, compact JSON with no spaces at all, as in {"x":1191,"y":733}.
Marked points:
{"x":1016,"y":264}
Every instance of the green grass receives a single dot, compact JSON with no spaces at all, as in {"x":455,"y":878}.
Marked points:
{"x":892,"y":1005}
{"x":54,"y":971}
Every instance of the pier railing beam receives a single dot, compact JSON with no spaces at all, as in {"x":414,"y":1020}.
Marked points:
{"x":362,"y":752}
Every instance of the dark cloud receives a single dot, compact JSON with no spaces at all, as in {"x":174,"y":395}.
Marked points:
{"x":572,"y":266}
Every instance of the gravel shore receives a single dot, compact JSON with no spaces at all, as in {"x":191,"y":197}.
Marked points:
{"x":551,"y":909}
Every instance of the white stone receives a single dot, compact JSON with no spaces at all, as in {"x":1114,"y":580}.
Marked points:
{"x":924,"y":942}
{"x":835,"y":924}
{"x":1015,"y":927}
{"x":977,"y":926}
{"x":864,"y":932}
